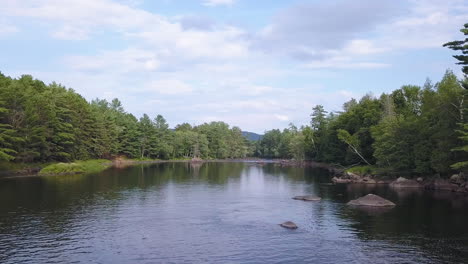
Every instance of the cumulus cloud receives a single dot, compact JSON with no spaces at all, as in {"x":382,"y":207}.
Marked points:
{"x":192,"y":22}
{"x":170,"y":87}
{"x":122,"y":61}
{"x":312,"y":29}
{"x":253,"y":79}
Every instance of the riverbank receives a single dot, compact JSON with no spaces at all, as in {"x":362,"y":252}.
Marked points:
{"x":11,"y":169}
{"x":355,"y":175}
{"x":456,"y":183}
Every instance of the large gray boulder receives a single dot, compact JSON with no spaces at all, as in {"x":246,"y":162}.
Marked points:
{"x":405,"y":183}
{"x":289,"y":225}
{"x":307,"y":198}
{"x":371,"y":200}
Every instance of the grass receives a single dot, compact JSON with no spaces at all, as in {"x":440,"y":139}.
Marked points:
{"x":88,"y":166}
{"x":362,"y":170}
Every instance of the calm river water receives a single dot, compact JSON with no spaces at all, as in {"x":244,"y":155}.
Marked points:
{"x":222,"y":213}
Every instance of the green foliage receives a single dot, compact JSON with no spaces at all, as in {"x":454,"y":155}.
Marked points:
{"x":461,"y":45}
{"x":412,"y":130}
{"x":89,"y":166}
{"x":460,"y":105}
{"x":463,"y":132}
{"x":363,"y":170}
{"x":47,"y":123}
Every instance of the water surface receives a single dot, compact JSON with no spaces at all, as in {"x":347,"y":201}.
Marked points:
{"x":222,"y":213}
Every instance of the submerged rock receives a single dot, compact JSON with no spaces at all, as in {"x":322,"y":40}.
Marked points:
{"x":371,"y":200}
{"x":405,"y":183}
{"x":307,"y":198}
{"x":289,"y":225}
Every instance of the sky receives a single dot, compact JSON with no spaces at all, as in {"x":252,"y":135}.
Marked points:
{"x":257,"y":65}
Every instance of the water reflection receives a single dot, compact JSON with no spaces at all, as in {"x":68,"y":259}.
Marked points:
{"x":222,"y":212}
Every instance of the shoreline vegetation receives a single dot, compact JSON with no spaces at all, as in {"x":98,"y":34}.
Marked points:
{"x":412,"y":132}
{"x":457,"y":183}
{"x":418,"y":132}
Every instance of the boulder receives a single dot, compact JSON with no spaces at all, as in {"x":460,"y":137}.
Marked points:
{"x":405,"y":183}
{"x":454,"y":178}
{"x":289,"y":225}
{"x":420,"y":179}
{"x":307,"y":198}
{"x":340,"y":180}
{"x":457,"y":179}
{"x":368,"y":180}
{"x":371,"y":200}
{"x":353,"y":176}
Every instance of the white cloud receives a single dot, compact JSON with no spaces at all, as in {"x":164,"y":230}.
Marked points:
{"x":68,"y":32}
{"x":81,"y":18}
{"x":123,"y":61}
{"x":281,"y":117}
{"x":344,"y":63}
{"x":209,"y":71}
{"x":218,"y":2}
{"x":254,"y":90}
{"x":170,"y":87}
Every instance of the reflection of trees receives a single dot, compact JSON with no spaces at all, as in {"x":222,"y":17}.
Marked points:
{"x":69,"y":194}
{"x":316,"y":179}
{"x":57,"y":203}
{"x":422,"y":219}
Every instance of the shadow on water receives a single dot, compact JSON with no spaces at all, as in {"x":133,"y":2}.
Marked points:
{"x":434,"y":222}
{"x":209,"y":210}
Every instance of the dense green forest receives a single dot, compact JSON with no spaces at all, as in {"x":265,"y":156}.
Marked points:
{"x":413,"y":130}
{"x":41,"y":123}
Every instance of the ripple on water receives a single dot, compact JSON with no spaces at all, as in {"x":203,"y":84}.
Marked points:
{"x":219,"y":213}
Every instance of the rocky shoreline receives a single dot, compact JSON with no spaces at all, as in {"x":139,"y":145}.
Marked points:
{"x":456,"y":183}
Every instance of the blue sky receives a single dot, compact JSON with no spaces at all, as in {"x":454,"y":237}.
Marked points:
{"x":254,"y":64}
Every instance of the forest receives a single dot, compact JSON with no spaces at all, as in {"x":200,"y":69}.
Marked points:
{"x":412,"y":130}
{"x":43,"y":123}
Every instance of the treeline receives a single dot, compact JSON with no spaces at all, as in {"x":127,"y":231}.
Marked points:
{"x":417,"y":130}
{"x":40,"y":123}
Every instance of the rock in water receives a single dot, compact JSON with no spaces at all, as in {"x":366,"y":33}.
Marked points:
{"x":289,"y":225}
{"x":307,"y":198}
{"x":371,"y":200}
{"x":405,"y":183}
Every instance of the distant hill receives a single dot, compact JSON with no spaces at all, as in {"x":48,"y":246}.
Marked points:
{"x":251,"y":136}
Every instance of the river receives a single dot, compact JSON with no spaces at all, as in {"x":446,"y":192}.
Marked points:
{"x":222,"y":213}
